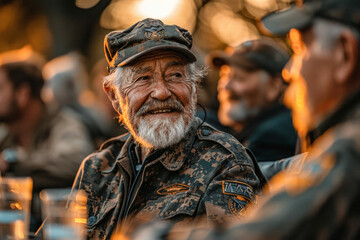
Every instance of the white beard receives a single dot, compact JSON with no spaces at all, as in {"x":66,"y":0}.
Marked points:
{"x":161,"y":133}
{"x":157,"y":133}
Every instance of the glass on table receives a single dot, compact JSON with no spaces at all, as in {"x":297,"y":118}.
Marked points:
{"x":64,"y":214}
{"x":15,"y":202}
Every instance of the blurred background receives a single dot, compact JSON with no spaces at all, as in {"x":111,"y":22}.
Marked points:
{"x":56,"y":28}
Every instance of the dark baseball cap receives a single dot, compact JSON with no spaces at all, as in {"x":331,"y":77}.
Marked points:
{"x":252,"y":55}
{"x":148,"y":35}
{"x":302,"y":14}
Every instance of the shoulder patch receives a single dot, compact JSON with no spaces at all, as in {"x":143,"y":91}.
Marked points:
{"x":173,"y":188}
{"x":239,"y":189}
{"x":237,"y":207}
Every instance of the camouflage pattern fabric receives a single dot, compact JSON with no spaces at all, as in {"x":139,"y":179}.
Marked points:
{"x":316,"y":199}
{"x":207,"y":174}
{"x":122,"y":47}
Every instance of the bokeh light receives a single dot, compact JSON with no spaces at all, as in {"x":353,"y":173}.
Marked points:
{"x":122,"y":14}
{"x":156,"y":8}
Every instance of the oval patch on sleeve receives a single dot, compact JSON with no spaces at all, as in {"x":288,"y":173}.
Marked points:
{"x":239,"y":189}
{"x":173,"y":188}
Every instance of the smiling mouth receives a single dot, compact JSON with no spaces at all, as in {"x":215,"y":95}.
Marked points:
{"x":159,"y":111}
{"x":170,"y":106}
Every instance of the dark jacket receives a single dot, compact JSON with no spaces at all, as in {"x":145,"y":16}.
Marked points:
{"x":270,"y":135}
{"x":207,"y":174}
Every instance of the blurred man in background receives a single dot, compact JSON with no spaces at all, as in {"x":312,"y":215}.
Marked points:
{"x":46,"y":144}
{"x":66,"y":85}
{"x":319,"y":199}
{"x":250,"y":93}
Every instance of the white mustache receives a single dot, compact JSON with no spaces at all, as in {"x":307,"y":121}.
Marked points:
{"x":156,"y":105}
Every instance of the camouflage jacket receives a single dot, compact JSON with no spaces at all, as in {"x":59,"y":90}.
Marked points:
{"x":209,"y":173}
{"x":315,"y":199}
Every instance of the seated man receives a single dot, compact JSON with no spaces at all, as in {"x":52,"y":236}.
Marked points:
{"x":171,"y":164}
{"x":321,"y":199}
{"x":39,"y":141}
{"x":250,"y":94}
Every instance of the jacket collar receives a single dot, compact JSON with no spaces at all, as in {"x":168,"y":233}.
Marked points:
{"x":346,"y":109}
{"x":122,"y":158}
{"x":174,"y":156}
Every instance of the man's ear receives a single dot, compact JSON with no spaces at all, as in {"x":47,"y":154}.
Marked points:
{"x":346,"y":57}
{"x":113,"y":97}
{"x":274,"y":88}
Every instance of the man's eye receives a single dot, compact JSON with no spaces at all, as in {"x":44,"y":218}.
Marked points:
{"x":143,"y":78}
{"x":175,"y":75}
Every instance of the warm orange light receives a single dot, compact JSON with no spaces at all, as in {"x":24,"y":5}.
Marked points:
{"x":286,"y":75}
{"x":262,"y":4}
{"x":18,"y":206}
{"x":223,"y":96}
{"x":156,"y":8}
{"x":296,"y":93}
{"x":80,"y":220}
{"x":295,"y":41}
{"x":21,"y":235}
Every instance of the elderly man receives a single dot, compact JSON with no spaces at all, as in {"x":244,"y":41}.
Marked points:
{"x":319,"y":199}
{"x":171,"y":164}
{"x":250,"y":94}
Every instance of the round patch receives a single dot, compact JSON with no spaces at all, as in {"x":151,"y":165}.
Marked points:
{"x":237,"y":207}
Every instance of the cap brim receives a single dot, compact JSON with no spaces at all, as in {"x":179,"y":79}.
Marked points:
{"x":217,"y":58}
{"x":188,"y":55}
{"x":280,"y":23}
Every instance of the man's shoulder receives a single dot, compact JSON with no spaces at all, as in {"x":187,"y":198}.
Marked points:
{"x":211,"y":139}
{"x":115,"y":141}
{"x":108,"y":152}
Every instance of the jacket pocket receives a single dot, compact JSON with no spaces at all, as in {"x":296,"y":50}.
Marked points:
{"x":99,"y":216}
{"x":180,"y":203}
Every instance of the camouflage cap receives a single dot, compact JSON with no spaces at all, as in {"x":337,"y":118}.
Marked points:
{"x":304,"y":12}
{"x":252,"y":55}
{"x":122,"y":47}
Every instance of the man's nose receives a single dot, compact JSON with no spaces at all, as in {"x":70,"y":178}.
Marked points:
{"x":228,"y":84}
{"x":160,"y":90}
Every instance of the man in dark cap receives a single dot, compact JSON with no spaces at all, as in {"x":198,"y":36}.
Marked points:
{"x":171,"y":165}
{"x":319,"y":199}
{"x":250,"y":92}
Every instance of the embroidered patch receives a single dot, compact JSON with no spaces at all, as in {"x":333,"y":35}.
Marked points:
{"x":239,"y":189}
{"x":237,"y":206}
{"x":172,"y":189}
{"x":154,"y":33}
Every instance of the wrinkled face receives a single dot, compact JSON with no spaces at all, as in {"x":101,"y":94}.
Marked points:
{"x":9,"y":109}
{"x":241,"y":94}
{"x":309,"y":72}
{"x":158,"y":100}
